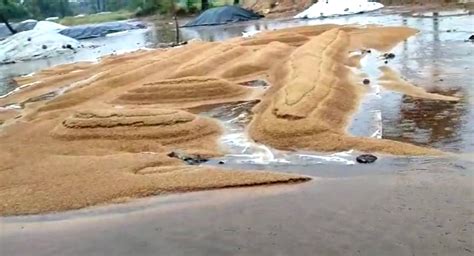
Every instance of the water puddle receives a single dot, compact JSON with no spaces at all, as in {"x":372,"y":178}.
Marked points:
{"x":448,"y":13}
{"x":241,"y":150}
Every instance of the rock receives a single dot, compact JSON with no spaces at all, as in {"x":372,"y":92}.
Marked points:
{"x":471,"y":38}
{"x":366,"y":159}
{"x":366,"y":81}
{"x":221,"y":162}
{"x":170,"y":45}
{"x":44,"y":47}
{"x":189,"y":159}
{"x":388,"y":56}
{"x":29,"y":39}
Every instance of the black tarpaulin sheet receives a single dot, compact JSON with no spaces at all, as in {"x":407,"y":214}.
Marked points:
{"x":99,"y":30}
{"x":223,"y":15}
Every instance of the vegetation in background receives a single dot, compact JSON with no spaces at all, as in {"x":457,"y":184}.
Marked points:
{"x":96,"y":18}
{"x":40,"y":9}
{"x":115,"y":9}
{"x":11,"y":10}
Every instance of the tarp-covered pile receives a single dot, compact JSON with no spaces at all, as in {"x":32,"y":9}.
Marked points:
{"x":99,"y":30}
{"x":42,"y":41}
{"x":29,"y":25}
{"x":35,"y":44}
{"x":328,"y":8}
{"x":223,"y":15}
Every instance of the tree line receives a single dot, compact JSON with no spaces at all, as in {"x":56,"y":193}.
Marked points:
{"x":41,"y":9}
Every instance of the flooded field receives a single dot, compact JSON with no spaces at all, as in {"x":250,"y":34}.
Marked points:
{"x":396,"y":206}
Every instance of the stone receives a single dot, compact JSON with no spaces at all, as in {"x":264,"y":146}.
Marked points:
{"x":366,"y":159}
{"x":187,"y":158}
{"x":388,"y":56}
{"x":366,"y":81}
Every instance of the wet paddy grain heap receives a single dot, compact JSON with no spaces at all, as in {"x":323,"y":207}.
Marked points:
{"x":105,"y":134}
{"x":186,"y":90}
{"x":165,"y":126}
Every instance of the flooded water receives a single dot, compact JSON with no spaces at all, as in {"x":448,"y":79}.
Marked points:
{"x":396,"y":206}
{"x":438,"y":59}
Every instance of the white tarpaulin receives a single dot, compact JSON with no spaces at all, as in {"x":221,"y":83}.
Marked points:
{"x":328,"y":8}
{"x":48,"y":26}
{"x":35,"y":44}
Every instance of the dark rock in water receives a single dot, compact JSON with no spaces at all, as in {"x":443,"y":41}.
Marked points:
{"x":366,"y":81}
{"x":386,"y":62}
{"x":170,"y":45}
{"x":221,"y":162}
{"x":366,"y":159}
{"x":29,"y":39}
{"x":471,"y":38}
{"x":44,"y":47}
{"x":69,"y":47}
{"x":189,"y":159}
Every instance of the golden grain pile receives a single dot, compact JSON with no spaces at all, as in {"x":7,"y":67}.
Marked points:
{"x":92,"y":133}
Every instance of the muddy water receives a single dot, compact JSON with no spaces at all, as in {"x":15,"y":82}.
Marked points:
{"x":397,"y":206}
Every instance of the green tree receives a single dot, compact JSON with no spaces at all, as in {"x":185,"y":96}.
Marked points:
{"x":10,"y":9}
{"x":40,"y":9}
{"x":64,"y":8}
{"x":148,"y":7}
{"x":204,"y":4}
{"x":116,"y":5}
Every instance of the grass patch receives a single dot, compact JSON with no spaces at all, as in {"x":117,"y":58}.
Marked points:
{"x":96,"y":18}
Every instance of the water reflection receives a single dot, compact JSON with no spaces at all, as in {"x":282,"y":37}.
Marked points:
{"x":426,"y":122}
{"x":434,"y":60}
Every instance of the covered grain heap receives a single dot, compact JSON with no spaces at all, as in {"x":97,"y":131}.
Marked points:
{"x":223,"y":15}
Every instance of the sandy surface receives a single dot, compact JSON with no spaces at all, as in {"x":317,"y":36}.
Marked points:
{"x":96,"y":133}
